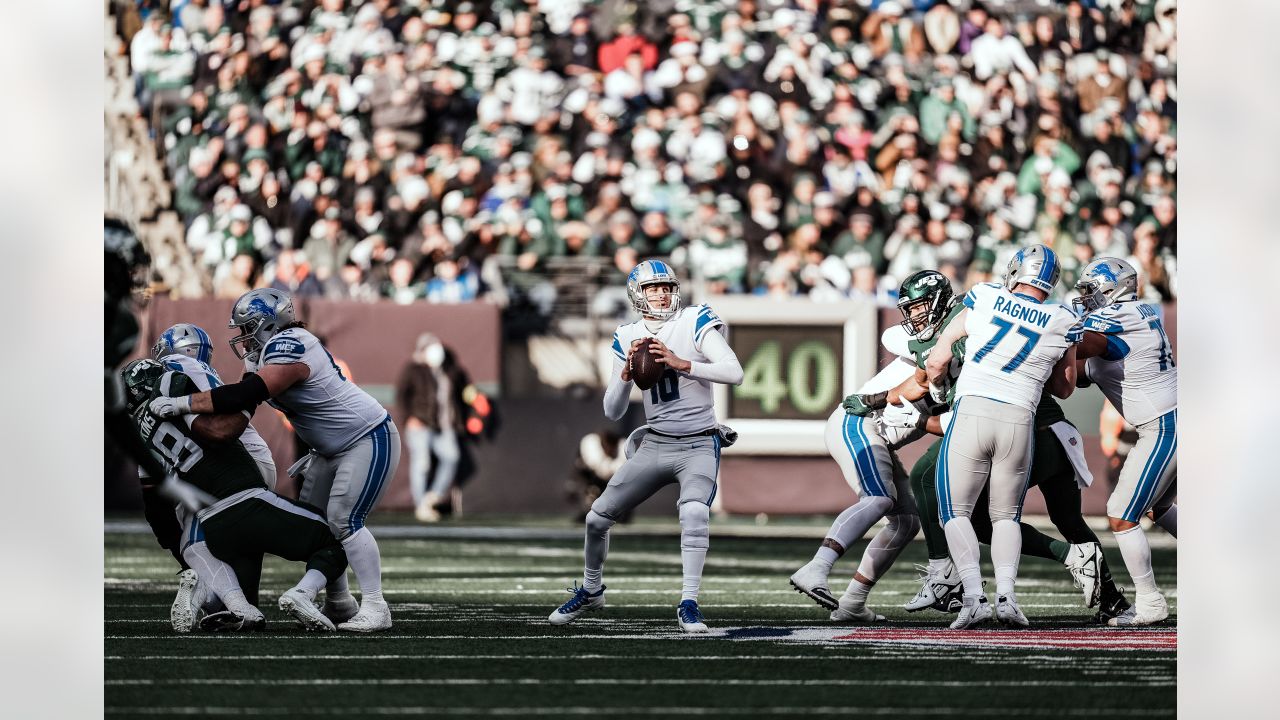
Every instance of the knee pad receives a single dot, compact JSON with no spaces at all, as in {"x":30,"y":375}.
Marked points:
{"x":597,"y":523}
{"x":695,"y":526}
{"x":880,"y":504}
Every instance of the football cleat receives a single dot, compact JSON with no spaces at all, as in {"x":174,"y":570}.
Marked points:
{"x":811,"y":580}
{"x":689,"y":617}
{"x":296,"y":604}
{"x":224,"y":621}
{"x":185,"y":613}
{"x":1110,"y":607}
{"x":581,"y":602}
{"x":974,"y":609}
{"x":374,"y":615}
{"x":1008,"y":612}
{"x":1147,"y":609}
{"x":940,"y":591}
{"x":849,"y":611}
{"x":1085,"y":563}
{"x":340,"y":608}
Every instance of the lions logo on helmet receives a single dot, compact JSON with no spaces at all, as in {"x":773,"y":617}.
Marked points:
{"x":184,"y":339}
{"x":1103,"y":282}
{"x":653,"y":272}
{"x":924,"y":299}
{"x":1036,"y":266}
{"x":140,"y":380}
{"x":258,"y":315}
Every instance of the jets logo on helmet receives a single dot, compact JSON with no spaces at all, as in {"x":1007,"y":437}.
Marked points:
{"x":1105,"y":281}
{"x":258,"y":315}
{"x":1036,"y":266}
{"x":140,"y":380}
{"x":185,"y":339}
{"x":924,"y":299}
{"x":653,"y":272}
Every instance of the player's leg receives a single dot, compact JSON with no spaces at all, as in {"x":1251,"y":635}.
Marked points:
{"x":637,"y":480}
{"x":940,"y":588}
{"x":697,"y":469}
{"x":1148,"y":473}
{"x":361,"y":475}
{"x":317,"y":483}
{"x":1165,"y":512}
{"x":1014,"y":435}
{"x":868,"y":469}
{"x":963,"y":467}
{"x":220,"y":580}
{"x":880,"y":554}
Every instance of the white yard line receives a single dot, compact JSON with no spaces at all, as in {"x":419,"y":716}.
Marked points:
{"x":607,"y":711}
{"x":431,"y":682}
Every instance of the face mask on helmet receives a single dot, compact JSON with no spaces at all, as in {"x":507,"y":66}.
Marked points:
{"x":246,"y":345}
{"x":140,"y":379}
{"x":923,"y":300}
{"x":646,"y":281}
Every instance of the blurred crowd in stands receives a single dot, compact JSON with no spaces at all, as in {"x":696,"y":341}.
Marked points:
{"x":433,"y":151}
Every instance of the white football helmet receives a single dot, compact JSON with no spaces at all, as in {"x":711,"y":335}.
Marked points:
{"x":1105,"y":281}
{"x":1036,"y":266}
{"x":653,"y":272}
{"x":186,"y":339}
{"x":258,"y":315}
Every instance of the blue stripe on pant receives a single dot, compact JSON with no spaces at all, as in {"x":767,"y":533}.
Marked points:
{"x":375,"y":479}
{"x":864,"y":459}
{"x":715,"y":481}
{"x":941,"y":478}
{"x":1026,"y":483}
{"x":1154,"y":469}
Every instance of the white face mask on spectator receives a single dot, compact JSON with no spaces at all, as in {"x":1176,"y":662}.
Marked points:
{"x":434,"y":355}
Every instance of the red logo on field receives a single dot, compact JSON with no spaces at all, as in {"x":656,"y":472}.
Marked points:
{"x":1092,"y":639}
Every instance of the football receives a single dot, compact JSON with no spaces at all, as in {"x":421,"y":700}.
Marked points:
{"x":645,"y":368}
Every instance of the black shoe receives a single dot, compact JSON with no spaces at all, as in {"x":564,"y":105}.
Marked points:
{"x":1111,"y":606}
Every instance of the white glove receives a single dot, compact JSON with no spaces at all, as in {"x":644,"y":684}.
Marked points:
{"x":938,"y":392}
{"x":167,"y":407}
{"x":906,"y":415}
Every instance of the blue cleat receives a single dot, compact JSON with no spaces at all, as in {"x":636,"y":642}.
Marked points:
{"x":690,"y":617}
{"x":581,"y":602}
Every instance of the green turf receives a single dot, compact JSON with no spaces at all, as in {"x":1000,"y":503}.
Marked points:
{"x":470,"y":638}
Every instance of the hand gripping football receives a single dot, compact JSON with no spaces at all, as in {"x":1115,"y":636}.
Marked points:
{"x":644,"y":366}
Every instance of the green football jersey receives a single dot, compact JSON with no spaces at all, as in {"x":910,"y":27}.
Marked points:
{"x":219,"y":469}
{"x":1048,"y":411}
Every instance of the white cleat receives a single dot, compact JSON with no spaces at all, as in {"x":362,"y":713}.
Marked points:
{"x":849,"y":611}
{"x":974,"y":609}
{"x":937,"y":590}
{"x":1085,"y":563}
{"x":811,"y":580}
{"x":689,"y":617}
{"x":185,"y":612}
{"x":1147,"y":609}
{"x":1008,"y":612}
{"x":226,"y":621}
{"x":297,"y":605}
{"x":374,"y":615}
{"x":581,"y":602}
{"x":340,"y":608}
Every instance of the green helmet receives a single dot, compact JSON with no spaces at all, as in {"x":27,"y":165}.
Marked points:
{"x":141,"y":378}
{"x":924,"y":299}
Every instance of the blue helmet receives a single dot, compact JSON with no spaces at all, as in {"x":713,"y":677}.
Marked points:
{"x":1036,"y":266}
{"x":185,"y":339}
{"x":653,"y":272}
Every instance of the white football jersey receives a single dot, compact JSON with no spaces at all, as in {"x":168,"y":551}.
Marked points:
{"x":677,"y":404}
{"x":206,"y":378}
{"x":1136,"y":372}
{"x":328,"y":412}
{"x":1014,"y":341}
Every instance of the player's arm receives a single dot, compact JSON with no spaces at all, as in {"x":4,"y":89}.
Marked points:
{"x":220,"y":427}
{"x":941,"y":356}
{"x":618,"y":394}
{"x":269,"y":381}
{"x":1094,"y":344}
{"x":909,"y":390}
{"x":723,"y":366}
{"x":1062,"y":382}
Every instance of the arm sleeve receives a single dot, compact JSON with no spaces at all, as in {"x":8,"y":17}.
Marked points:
{"x":724,"y":366}
{"x":618,"y":393}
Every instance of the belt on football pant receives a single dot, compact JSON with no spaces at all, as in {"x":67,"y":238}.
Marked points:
{"x":705,"y":433}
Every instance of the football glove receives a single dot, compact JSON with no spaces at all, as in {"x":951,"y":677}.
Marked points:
{"x":906,"y":415}
{"x":168,"y":407}
{"x":938,"y":392}
{"x":863,"y":405}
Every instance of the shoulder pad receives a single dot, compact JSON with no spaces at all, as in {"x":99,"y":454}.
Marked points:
{"x":284,"y":347}
{"x":896,"y":341}
{"x":706,"y":320}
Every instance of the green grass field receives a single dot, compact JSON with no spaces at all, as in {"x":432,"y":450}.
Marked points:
{"x":471,"y":638}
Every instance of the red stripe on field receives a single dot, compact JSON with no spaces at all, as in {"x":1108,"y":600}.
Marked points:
{"x":1100,"y":639}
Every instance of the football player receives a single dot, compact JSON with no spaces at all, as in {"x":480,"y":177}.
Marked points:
{"x":865,"y":449}
{"x":1126,"y":353}
{"x":186,"y":348}
{"x":356,"y":446}
{"x":1058,"y":468}
{"x":1018,"y":345}
{"x":681,"y":442}
{"x":245,"y":519}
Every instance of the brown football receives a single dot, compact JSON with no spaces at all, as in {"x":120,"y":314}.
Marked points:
{"x":645,"y":368}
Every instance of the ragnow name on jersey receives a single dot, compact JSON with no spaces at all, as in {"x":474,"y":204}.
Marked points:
{"x":328,"y":412}
{"x":1013,"y":344}
{"x":678,"y":404}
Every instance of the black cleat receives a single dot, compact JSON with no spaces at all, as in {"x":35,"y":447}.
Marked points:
{"x":1111,"y":606}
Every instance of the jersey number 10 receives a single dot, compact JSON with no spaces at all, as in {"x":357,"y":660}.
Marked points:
{"x":666,"y":389}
